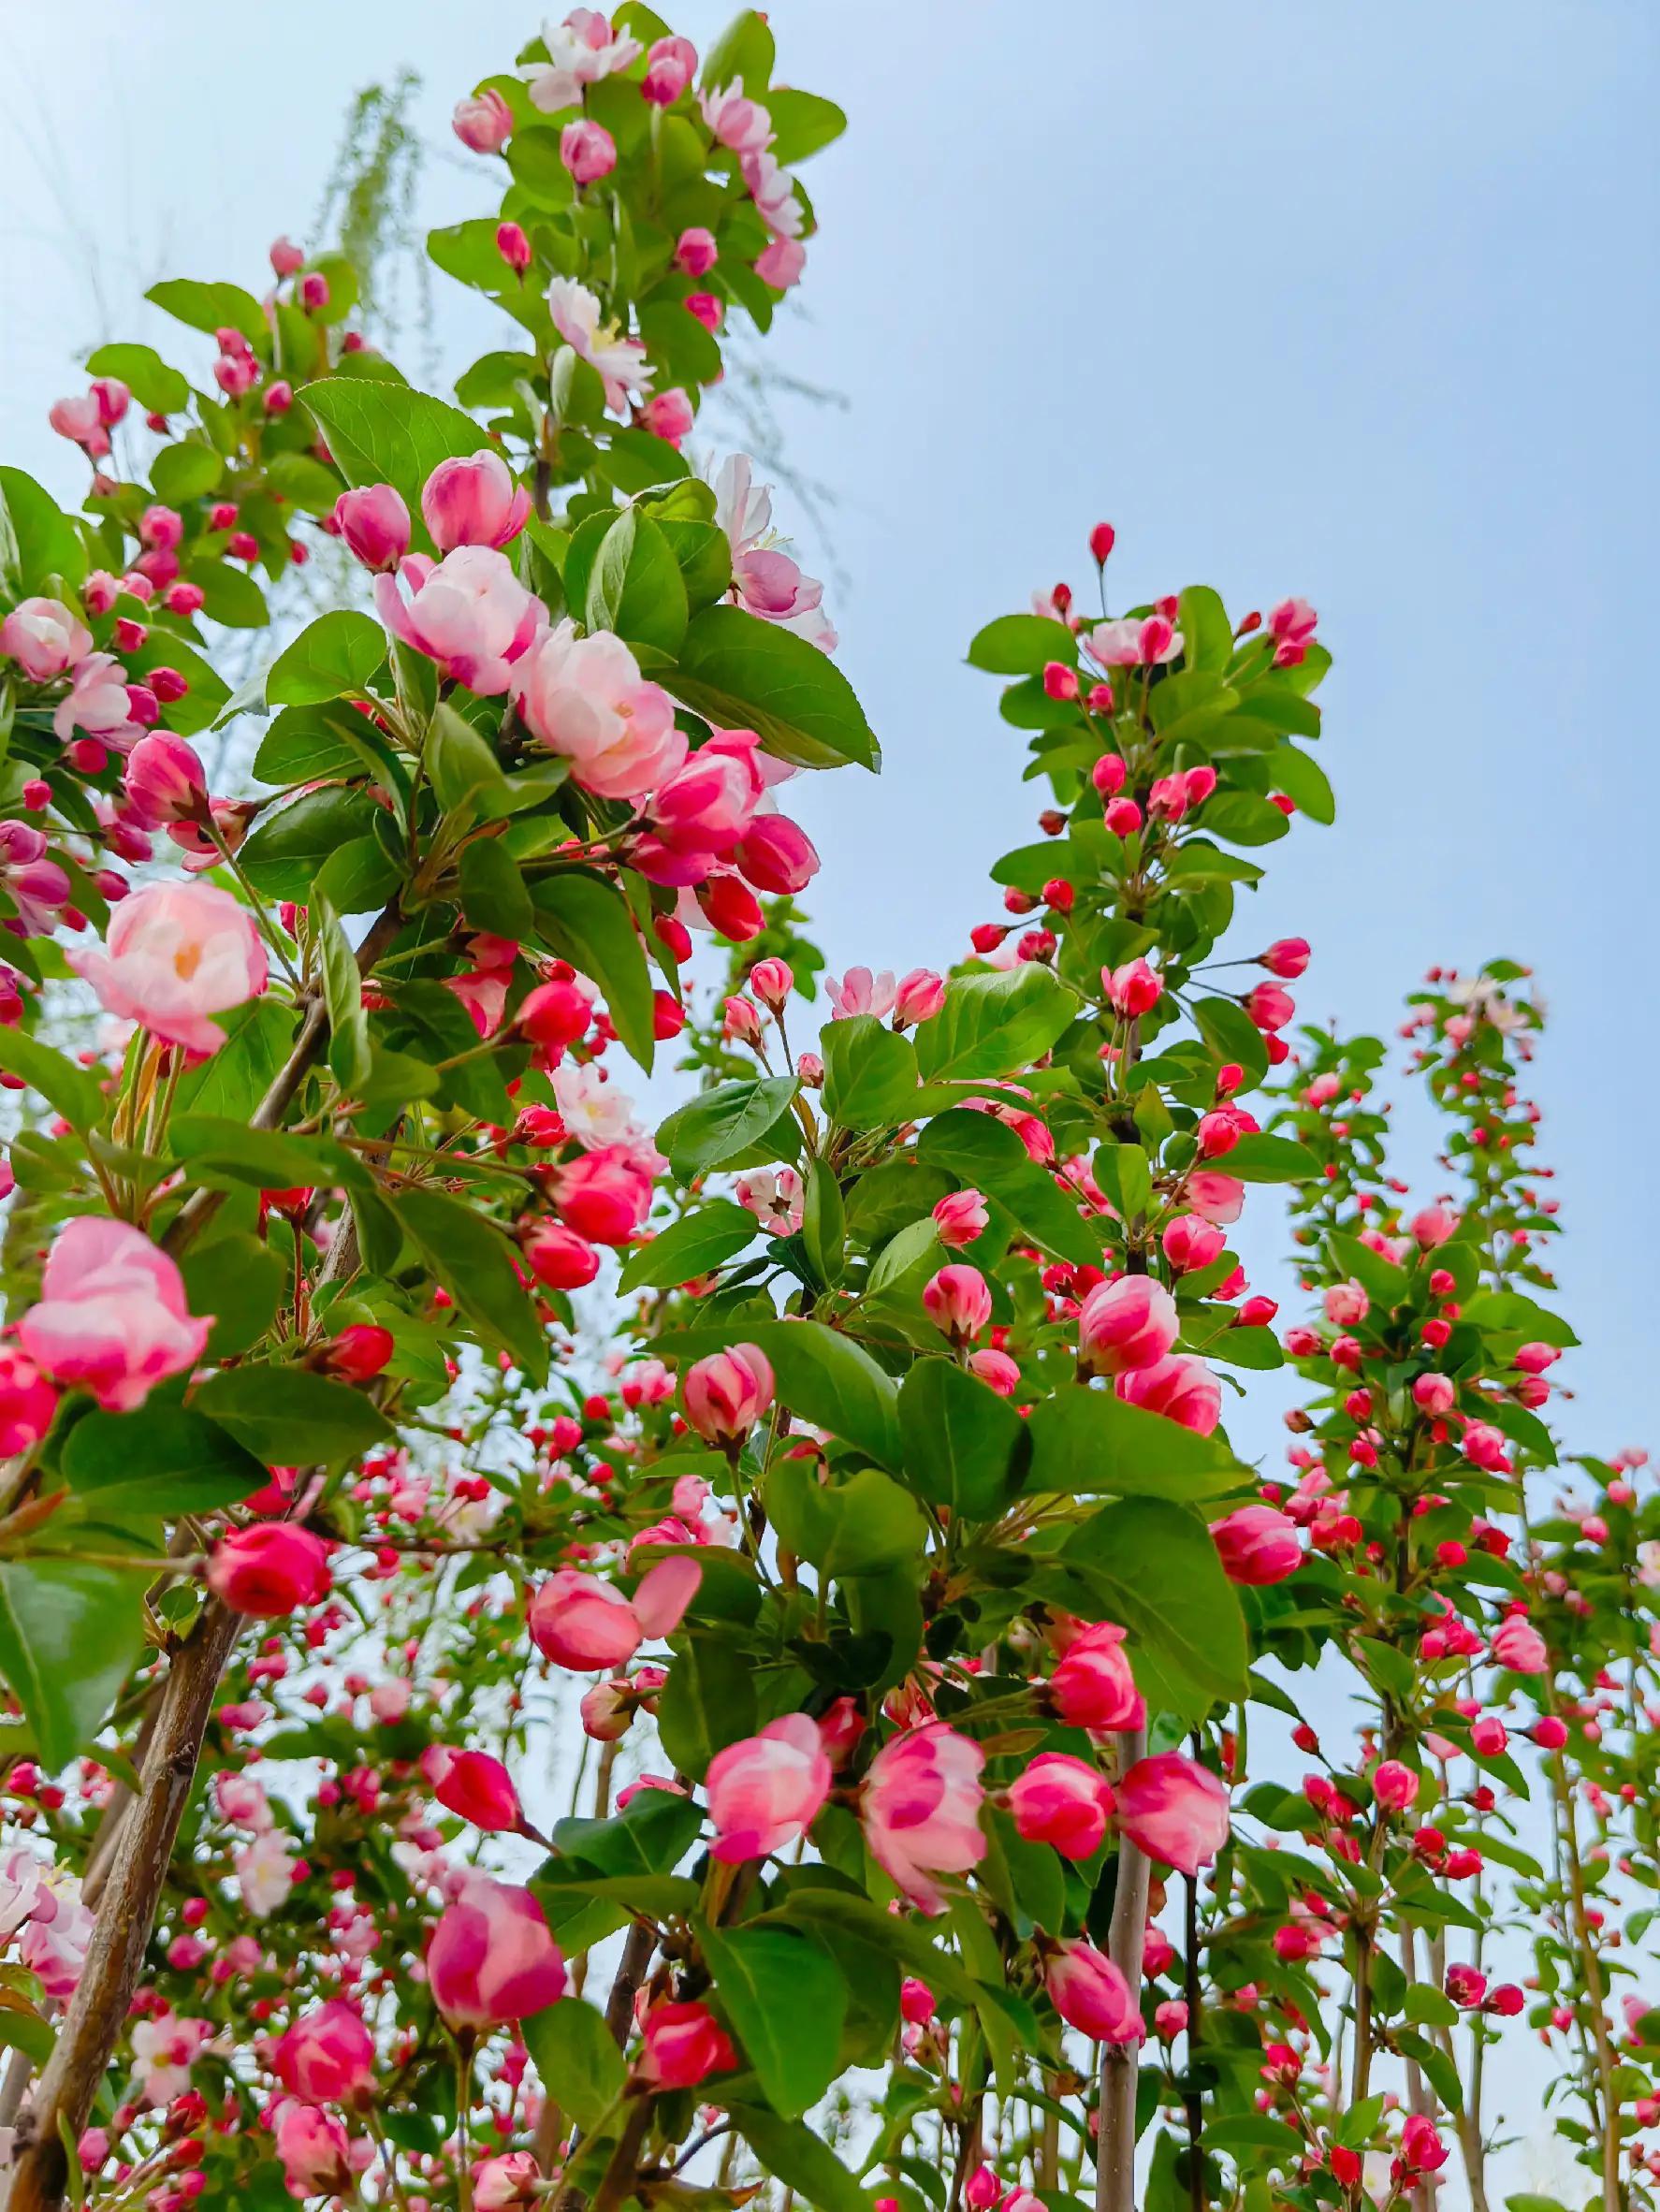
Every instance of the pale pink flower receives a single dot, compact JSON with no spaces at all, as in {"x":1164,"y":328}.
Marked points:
{"x":468,"y":612}
{"x":585,"y":698}
{"x":919,"y":1806}
{"x":739,"y":124}
{"x":775,"y":1199}
{"x":580,"y":51}
{"x":1174,"y":1810}
{"x":585,"y":1624}
{"x":781,"y":262}
{"x":44,"y":637}
{"x":482,"y":122}
{"x":112,"y":1317}
{"x":164,"y":2050}
{"x":97,"y":703}
{"x":620,"y":361}
{"x":595,"y":1111}
{"x":859,"y":992}
{"x":264,"y":1873}
{"x":176,"y":954}
{"x":773,"y":190}
{"x":1130,"y":643}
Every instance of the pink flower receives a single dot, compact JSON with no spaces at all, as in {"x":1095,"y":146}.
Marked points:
{"x":315,"y":2152}
{"x":995,"y":1369}
{"x":727,"y":1393}
{"x":775,"y":1199}
{"x":581,"y":1622}
{"x":919,"y":1806}
{"x":773,"y":190}
{"x":739,"y":124}
{"x":1090,"y":1994}
{"x":669,"y":67}
{"x":468,"y":612}
{"x":580,"y":51}
{"x":696,"y":252}
{"x":1518,"y":1646}
{"x":268,"y":1569}
{"x":1257,"y":1546}
{"x":164,"y":780}
{"x":768,"y":1790}
{"x":781,"y":262}
{"x":1126,"y":1325}
{"x":669,"y":415}
{"x":44,"y":637}
{"x":326,"y":2057}
{"x":622,"y":363}
{"x":491,"y":1960}
{"x":683,"y":2044}
{"x":777,"y":856}
{"x":510,"y":2183}
{"x":1132,"y":989}
{"x":1215,"y":1196}
{"x":36,"y":885}
{"x":482,"y":122}
{"x":859,"y":992}
{"x":474,"y":1786}
{"x":588,"y":149}
{"x":1182,"y":1388}
{"x":1093,"y":1686}
{"x":97,"y":703}
{"x":374,"y":523}
{"x":960,"y":1216}
{"x":1062,"y":1802}
{"x":585,"y":697}
{"x":27,"y":1402}
{"x":1174,"y":1810}
{"x":1190,"y":1242}
{"x":112,"y":1318}
{"x":1394,"y":1786}
{"x":957,"y":1300}
{"x":175,"y":955}
{"x":605,"y":1195}
{"x":1130,"y":643}
{"x":1347,"y":1304}
{"x":473,"y":503}
{"x":706,"y":805}
{"x":81,"y":421}
{"x":1292,"y":625}
{"x":918,"y":997}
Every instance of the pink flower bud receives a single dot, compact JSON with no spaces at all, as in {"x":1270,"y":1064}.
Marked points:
{"x":165,"y":782}
{"x":588,"y":149}
{"x":1174,"y":1810}
{"x":960,"y":1216}
{"x":327,"y":2055}
{"x":919,"y":997}
{"x":474,"y":1786}
{"x":670,"y":63}
{"x":1394,"y":1786}
{"x":491,"y":1960}
{"x":314,"y":292}
{"x":1125,"y":1325}
{"x":473,"y":503}
{"x":682,"y":2044}
{"x":727,"y":1393}
{"x":1062,"y":1802}
{"x":269,"y":1570}
{"x":957,"y":1299}
{"x":482,"y":122}
{"x":1090,"y":1994}
{"x":1286,"y":958}
{"x":767,"y":1791}
{"x":695,"y":251}
{"x":1257,"y":1546}
{"x":374,"y":523}
{"x":1131,"y":990}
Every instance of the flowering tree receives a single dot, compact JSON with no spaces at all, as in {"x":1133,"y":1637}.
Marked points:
{"x":551,"y":1660}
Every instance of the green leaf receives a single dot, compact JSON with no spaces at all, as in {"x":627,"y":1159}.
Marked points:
{"x":590,"y":925}
{"x":994,"y":1024}
{"x":986,"y":1155}
{"x":690,"y":1247}
{"x":185,"y":471}
{"x":240,"y":1282}
{"x":1508,"y":1313}
{"x":1085,"y":1440}
{"x":869,"y":1073}
{"x":305,"y":742}
{"x":823,"y":1222}
{"x":493,"y":893}
{"x":802,"y":124}
{"x":834,"y":1383}
{"x":28,"y":2033}
{"x":1303,"y":781}
{"x":790,"y":2149}
{"x":292,"y":1418}
{"x":635,"y":586}
{"x":48,"y":542}
{"x":743,"y":674}
{"x":1259,"y":1158}
{"x":862,"y":1526}
{"x":172,"y":1460}
{"x":964,"y":1445}
{"x":474,"y":1261}
{"x":787,"y":2001}
{"x":209,"y":307}
{"x":707,"y":1703}
{"x":67,"y":1090}
{"x":1430,"y":2007}
{"x":283,"y":856}
{"x":576,"y":2057}
{"x":1245,"y":817}
{"x":336,"y":654}
{"x":1156,"y":1570}
{"x":1022,"y":645}
{"x":70,"y":1635}
{"x":271,"y":1160}
{"x":342,"y":993}
{"x":157,"y":387}
{"x":652,"y":1835}
{"x":1207,"y":636}
{"x":720,"y":1123}
{"x":743,"y":53}
{"x":463,"y":768}
{"x":385,"y":433}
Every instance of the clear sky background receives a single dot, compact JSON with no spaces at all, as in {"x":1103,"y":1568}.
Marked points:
{"x":1356,"y":302}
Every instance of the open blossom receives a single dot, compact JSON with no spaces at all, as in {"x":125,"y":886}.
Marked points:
{"x":768,"y":1790}
{"x":1174,"y":1810}
{"x":773,"y":190}
{"x":175,"y":955}
{"x":266,"y":1872}
{"x":622,"y":363}
{"x":766,"y":578}
{"x":859,"y":992}
{"x":920,"y":1805}
{"x":468,"y":612}
{"x":775,"y":1198}
{"x":739,"y":124}
{"x":111,"y":1316}
{"x":1090,"y":1994}
{"x":473,"y":503}
{"x":491,"y":1960}
{"x":1131,"y":642}
{"x":44,"y":637}
{"x":164,"y":2049}
{"x":1518,"y":1646}
{"x":585,"y":698}
{"x":595,"y":1111}
{"x":97,"y":701}
{"x":581,"y":1622}
{"x":580,"y":51}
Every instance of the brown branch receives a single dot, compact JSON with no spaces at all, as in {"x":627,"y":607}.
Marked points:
{"x":1114,"y":2157}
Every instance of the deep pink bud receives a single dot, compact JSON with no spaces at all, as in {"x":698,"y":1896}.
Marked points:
{"x":513,"y":246}
{"x":374,"y":523}
{"x":474,"y":1786}
{"x":957,"y":1299}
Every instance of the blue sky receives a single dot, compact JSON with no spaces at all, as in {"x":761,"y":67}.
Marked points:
{"x":1358,"y":303}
